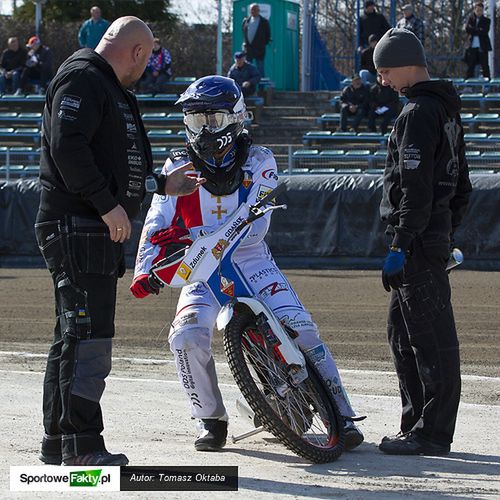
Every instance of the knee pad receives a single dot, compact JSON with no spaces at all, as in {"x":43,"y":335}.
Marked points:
{"x":93,"y":364}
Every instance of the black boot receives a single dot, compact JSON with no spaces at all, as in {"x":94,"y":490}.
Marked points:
{"x":213,"y":434}
{"x":50,"y":452}
{"x":411,"y":444}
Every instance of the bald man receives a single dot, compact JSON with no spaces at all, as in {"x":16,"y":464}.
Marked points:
{"x":96,"y":166}
{"x":92,"y":29}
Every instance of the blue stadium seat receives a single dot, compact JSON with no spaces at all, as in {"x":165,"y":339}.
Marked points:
{"x":349,"y":171}
{"x":332,"y":153}
{"x":300,"y":170}
{"x":301,"y":153}
{"x":358,"y":152}
{"x":323,"y":171}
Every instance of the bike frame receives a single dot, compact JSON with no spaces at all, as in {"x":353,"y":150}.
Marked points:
{"x":210,"y":260}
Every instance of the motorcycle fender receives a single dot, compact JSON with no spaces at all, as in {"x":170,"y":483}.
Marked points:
{"x":288,"y":348}
{"x":225,"y":315}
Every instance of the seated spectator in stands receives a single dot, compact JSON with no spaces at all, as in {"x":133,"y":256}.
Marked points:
{"x":12,"y":63}
{"x":92,"y":29}
{"x":246,"y":75}
{"x":478,"y":27}
{"x":353,"y":102}
{"x":38,"y":68}
{"x":368,"y":73}
{"x":371,"y":23}
{"x":158,"y":71}
{"x":411,"y":23}
{"x":383,"y":103}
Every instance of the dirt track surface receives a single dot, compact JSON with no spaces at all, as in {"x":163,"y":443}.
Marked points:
{"x":146,"y":415}
{"x":350,"y":308}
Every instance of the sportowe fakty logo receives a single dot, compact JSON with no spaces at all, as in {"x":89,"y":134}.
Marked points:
{"x":85,"y":478}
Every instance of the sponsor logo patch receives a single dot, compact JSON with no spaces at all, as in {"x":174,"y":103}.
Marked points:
{"x":263,"y":191}
{"x":273,"y":289}
{"x":247,"y":180}
{"x":184,"y":272}
{"x":317,"y":354}
{"x":227,"y":286}
{"x":270,"y":174}
{"x":70,"y":102}
{"x":219,"y":248}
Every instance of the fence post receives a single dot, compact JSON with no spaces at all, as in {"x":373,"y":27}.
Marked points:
{"x":290,"y":160}
{"x":7,"y":165}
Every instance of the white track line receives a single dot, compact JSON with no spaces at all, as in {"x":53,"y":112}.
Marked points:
{"x":151,"y":361}
{"x":232,"y":386}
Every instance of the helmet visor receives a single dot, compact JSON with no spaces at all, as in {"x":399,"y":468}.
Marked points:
{"x":213,"y":121}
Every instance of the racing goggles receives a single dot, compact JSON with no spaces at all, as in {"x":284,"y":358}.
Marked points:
{"x":213,"y":122}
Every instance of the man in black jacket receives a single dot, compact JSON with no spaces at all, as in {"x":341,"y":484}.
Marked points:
{"x":425,"y":195}
{"x":95,"y":168}
{"x":478,"y":27}
{"x":38,"y":65}
{"x":353,"y":102}
{"x":371,"y":23}
{"x":11,"y":65}
{"x":383,"y":103}
{"x":256,"y":34}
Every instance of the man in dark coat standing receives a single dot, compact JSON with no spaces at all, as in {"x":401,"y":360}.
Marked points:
{"x":256,"y":34}
{"x":478,"y":27}
{"x":371,"y":23}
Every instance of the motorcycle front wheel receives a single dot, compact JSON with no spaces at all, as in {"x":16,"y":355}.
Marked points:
{"x":304,"y":418}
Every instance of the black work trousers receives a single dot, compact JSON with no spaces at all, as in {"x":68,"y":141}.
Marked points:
{"x":478,"y":57}
{"x":424,"y":344}
{"x":357,"y":117}
{"x":84,"y":264}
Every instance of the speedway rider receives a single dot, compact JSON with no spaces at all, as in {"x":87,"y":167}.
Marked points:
{"x":220,"y":150}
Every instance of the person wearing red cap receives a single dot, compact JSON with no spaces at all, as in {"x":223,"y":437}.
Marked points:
{"x":38,"y":66}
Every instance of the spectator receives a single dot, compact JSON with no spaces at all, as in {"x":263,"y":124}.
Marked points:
{"x":158,"y":71}
{"x":478,"y":27}
{"x":38,"y":66}
{"x":246,"y":75}
{"x":368,"y":73}
{"x":383,"y":103}
{"x":92,"y":29}
{"x":353,"y":102}
{"x":256,"y":34}
{"x":411,"y":23}
{"x":371,"y":23}
{"x":12,"y":63}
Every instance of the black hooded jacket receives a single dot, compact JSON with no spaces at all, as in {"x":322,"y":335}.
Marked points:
{"x":95,"y":152}
{"x":426,"y":178}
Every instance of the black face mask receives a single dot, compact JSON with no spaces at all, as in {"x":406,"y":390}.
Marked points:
{"x":223,"y":181}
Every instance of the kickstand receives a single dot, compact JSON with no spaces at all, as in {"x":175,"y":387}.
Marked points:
{"x":248,"y":434}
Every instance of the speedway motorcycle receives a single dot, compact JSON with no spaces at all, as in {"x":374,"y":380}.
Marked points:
{"x":282,"y":390}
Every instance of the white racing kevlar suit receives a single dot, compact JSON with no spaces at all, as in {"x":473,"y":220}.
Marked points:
{"x":192,"y":328}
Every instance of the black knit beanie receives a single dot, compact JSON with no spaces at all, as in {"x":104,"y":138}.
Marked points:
{"x":399,"y":47}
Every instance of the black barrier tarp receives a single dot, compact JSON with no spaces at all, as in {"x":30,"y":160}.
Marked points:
{"x":327,"y":217}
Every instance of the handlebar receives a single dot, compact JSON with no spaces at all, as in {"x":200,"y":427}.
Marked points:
{"x":255,"y":210}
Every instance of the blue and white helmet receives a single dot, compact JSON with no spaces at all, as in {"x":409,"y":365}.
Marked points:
{"x":214,"y":116}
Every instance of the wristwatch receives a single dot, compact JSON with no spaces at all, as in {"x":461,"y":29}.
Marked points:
{"x":150,"y":184}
